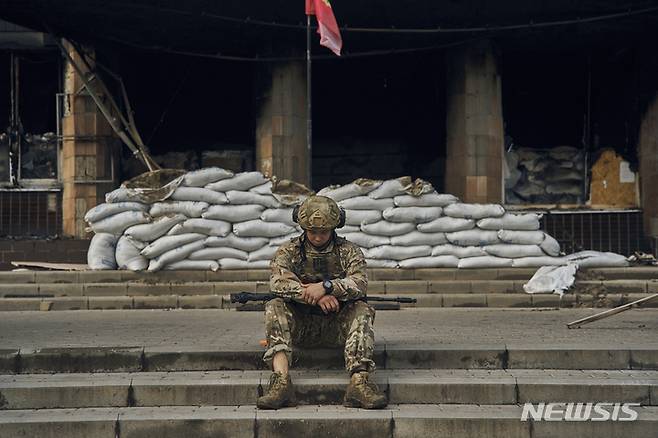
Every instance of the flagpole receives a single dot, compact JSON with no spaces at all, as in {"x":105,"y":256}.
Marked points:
{"x":309,"y":122}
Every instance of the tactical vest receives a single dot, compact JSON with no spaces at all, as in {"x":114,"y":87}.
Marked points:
{"x":319,"y":266}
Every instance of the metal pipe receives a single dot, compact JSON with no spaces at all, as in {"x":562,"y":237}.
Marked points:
{"x":309,"y":119}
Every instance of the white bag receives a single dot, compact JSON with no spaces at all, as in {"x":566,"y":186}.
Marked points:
{"x":375,"y":263}
{"x":188,"y":208}
{"x":446,"y":261}
{"x":538,"y":262}
{"x":233,"y":213}
{"x":209,"y":227}
{"x":265,"y":253}
{"x":193,"y":265}
{"x":278,"y":241}
{"x":241,"y":198}
{"x":389,"y":252}
{"x":474,"y":211}
{"x":358,"y":217}
{"x":167,"y":243}
{"x":263,"y":189}
{"x":392,"y":188}
{"x":460,"y":252}
{"x":117,"y":224}
{"x":418,"y":238}
{"x":511,"y":251}
{"x":359,"y":187}
{"x":102,"y":211}
{"x":511,"y":221}
{"x":217,"y":253}
{"x":241,"y":181}
{"x":101,"y":252}
{"x":283,"y":215}
{"x":174,"y":255}
{"x":201,"y":177}
{"x":259,"y":228}
{"x":554,"y":279}
{"x":366,"y":240}
{"x":521,"y":237}
{"x":348,"y":229}
{"x":426,"y":200}
{"x":366,"y":203}
{"x":198,"y":194}
{"x":385,"y":228}
{"x":243,"y":264}
{"x":232,"y":241}
{"x":596,"y":259}
{"x":484,"y":262}
{"x":128,"y":254}
{"x":446,"y":225}
{"x":550,"y":246}
{"x":473,"y":237}
{"x":159,"y":227}
{"x":412,"y":214}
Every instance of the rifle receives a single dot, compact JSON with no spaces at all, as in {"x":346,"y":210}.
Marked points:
{"x":245,"y":297}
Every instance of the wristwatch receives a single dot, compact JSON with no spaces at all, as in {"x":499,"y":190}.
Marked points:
{"x":328,"y":286}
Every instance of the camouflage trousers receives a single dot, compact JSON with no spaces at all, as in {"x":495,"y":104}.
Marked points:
{"x":286,"y":324}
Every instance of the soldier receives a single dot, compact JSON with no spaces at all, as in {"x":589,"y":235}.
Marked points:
{"x":323,"y":270}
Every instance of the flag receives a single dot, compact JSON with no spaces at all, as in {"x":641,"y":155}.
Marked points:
{"x":327,"y":26}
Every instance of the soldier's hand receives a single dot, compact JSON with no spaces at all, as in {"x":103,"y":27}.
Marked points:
{"x":329,"y":303}
{"x":312,"y":293}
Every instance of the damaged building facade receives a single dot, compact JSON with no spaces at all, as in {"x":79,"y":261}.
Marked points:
{"x":540,"y":108}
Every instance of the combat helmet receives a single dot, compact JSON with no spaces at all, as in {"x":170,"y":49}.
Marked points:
{"x":319,"y":213}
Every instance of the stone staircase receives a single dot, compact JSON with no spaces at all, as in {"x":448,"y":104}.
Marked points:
{"x":104,"y":290}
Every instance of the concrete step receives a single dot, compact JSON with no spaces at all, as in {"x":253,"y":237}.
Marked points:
{"x":223,"y":388}
{"x":387,"y":356}
{"x":455,"y":421}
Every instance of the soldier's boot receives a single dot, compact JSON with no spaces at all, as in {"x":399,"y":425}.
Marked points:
{"x":279,"y":394}
{"x":361,"y":393}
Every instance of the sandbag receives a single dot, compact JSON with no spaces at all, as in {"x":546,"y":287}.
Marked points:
{"x":229,"y":263}
{"x":117,"y":224}
{"x":385,"y":228}
{"x":278,"y":241}
{"x":202,"y":177}
{"x":105,"y":210}
{"x":198,"y":194}
{"x":473,"y":237}
{"x":392,"y":188}
{"x":446,"y":261}
{"x":426,"y":200}
{"x":367,"y":240}
{"x":359,"y":187}
{"x":446,"y":225}
{"x":389,"y":252}
{"x":554,"y":279}
{"x":193,"y":265}
{"x":265,"y":253}
{"x":418,"y":238}
{"x":283,"y":215}
{"x":174,"y":255}
{"x":101,"y":252}
{"x":209,"y":227}
{"x":148,"y":188}
{"x":263,"y":189}
{"x":550,"y":246}
{"x":412,"y":214}
{"x":167,"y":243}
{"x":217,"y":253}
{"x":510,"y":221}
{"x":233,"y":213}
{"x":128,"y":254}
{"x":484,"y":262}
{"x":375,"y":263}
{"x":521,"y":237}
{"x":232,"y":241}
{"x":358,"y":217}
{"x":259,"y":228}
{"x":473,"y":211}
{"x":188,"y":208}
{"x":460,"y":252}
{"x":512,"y":251}
{"x":348,"y":229}
{"x":159,"y":227}
{"x":596,"y":259}
{"x":240,"y":181}
{"x":241,"y":198}
{"x":538,"y":262}
{"x":366,"y":203}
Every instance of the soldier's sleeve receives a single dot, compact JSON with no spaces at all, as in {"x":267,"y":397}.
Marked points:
{"x":355,"y":283}
{"x":283,"y":281}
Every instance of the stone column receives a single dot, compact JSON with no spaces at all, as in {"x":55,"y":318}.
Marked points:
{"x":648,"y":154}
{"x":281,"y":122}
{"x":474,"y":164}
{"x":88,"y":148}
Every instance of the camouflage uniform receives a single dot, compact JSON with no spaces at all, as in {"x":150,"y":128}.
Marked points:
{"x":287,"y":319}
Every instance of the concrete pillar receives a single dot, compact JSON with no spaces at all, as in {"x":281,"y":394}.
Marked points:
{"x":281,"y":122}
{"x":474,"y":124}
{"x":648,"y":154}
{"x":87,"y":150}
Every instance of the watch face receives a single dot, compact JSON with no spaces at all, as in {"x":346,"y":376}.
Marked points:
{"x":327,"y":284}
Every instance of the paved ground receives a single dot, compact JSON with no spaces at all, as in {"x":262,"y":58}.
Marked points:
{"x":217,"y":329}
